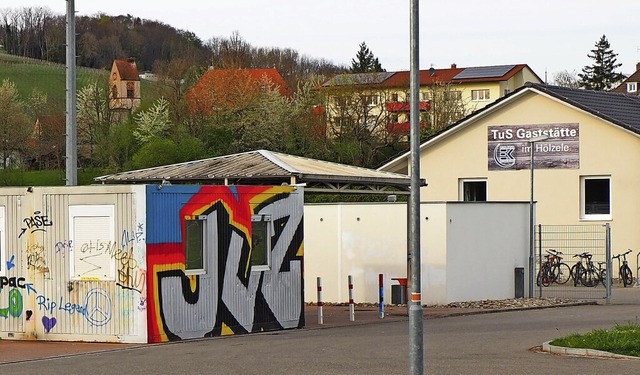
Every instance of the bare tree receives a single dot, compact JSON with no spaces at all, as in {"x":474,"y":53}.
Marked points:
{"x":15,"y":125}
{"x":566,"y":79}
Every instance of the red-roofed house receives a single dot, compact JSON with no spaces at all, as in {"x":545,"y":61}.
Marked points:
{"x":124,"y":86}
{"x":386,"y":94}
{"x":222,"y":89}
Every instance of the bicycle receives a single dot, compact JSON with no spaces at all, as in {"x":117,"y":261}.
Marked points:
{"x":553,"y":269}
{"x":584,"y":271}
{"x":625,"y":274}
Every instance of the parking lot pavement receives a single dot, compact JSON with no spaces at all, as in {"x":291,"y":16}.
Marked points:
{"x":333,"y":316}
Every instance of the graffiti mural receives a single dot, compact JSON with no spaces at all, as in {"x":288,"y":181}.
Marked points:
{"x":227,"y":297}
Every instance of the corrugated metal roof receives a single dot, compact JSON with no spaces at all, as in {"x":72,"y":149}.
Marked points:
{"x":267,"y":167}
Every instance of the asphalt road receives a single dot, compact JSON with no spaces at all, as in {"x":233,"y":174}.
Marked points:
{"x":497,"y":343}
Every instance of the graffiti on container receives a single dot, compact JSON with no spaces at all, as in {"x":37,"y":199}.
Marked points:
{"x":48,"y":323}
{"x":36,"y":258}
{"x":35,"y":223}
{"x":64,"y":247}
{"x":14,"y":305}
{"x":96,"y":308}
{"x":123,"y":257}
{"x":133,"y":236}
{"x":16,"y":282}
{"x":132,"y":279}
{"x":142,"y":304}
{"x":10,"y":263}
{"x":236,"y":299}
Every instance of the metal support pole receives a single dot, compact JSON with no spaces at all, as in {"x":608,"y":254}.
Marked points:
{"x":416,"y":335}
{"x":320,"y":316}
{"x":352,"y":309}
{"x":532,"y":267}
{"x":609,"y":264}
{"x":71,"y":164}
{"x":381,"y":299}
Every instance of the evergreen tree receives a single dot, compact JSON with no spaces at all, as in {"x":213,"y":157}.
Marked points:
{"x":365,"y":61}
{"x":601,"y":75}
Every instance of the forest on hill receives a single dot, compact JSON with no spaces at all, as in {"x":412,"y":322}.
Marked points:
{"x":39,"y":33}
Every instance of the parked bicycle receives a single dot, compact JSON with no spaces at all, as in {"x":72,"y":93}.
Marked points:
{"x":625,"y":274}
{"x":584,"y":272}
{"x":553,"y":269}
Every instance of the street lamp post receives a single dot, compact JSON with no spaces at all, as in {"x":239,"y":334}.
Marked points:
{"x":532,"y":231}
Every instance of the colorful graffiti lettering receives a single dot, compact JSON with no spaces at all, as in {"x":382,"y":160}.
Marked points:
{"x":16,"y":282}
{"x":15,"y":305}
{"x":35,"y":223}
{"x":230,"y":298}
{"x":96,"y":309}
{"x":133,"y":279}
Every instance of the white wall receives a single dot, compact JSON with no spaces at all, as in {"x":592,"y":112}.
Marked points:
{"x":457,"y":240}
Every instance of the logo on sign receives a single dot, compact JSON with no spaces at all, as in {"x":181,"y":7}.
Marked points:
{"x":504,"y":155}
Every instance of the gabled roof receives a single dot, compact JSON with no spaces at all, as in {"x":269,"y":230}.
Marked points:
{"x":213,"y":75}
{"x":429,"y":77}
{"x":271,"y":168}
{"x":635,"y":77}
{"x":127,"y":69}
{"x":616,"y":108}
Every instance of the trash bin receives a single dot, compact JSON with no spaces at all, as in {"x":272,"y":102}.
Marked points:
{"x":398,"y":294}
{"x":519,"y":282}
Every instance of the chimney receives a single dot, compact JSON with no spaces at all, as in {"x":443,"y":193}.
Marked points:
{"x":637,"y":66}
{"x":131,"y":60}
{"x":453,"y":66}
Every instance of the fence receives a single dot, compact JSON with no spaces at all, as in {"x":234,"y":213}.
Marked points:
{"x":570,"y":241}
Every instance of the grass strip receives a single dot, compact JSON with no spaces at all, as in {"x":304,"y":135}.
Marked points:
{"x":622,"y":339}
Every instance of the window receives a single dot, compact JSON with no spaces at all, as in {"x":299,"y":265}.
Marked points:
{"x":195,"y":245}
{"x":425,"y":96}
{"x":473,"y":190}
{"x":92,"y":230}
{"x":394,"y":97}
{"x":480,"y":95}
{"x":342,"y":121}
{"x":114,"y":91}
{"x":261,"y":232}
{"x":453,"y":95}
{"x":130,"y":89}
{"x":369,"y":100}
{"x":632,"y":86}
{"x":596,"y":198}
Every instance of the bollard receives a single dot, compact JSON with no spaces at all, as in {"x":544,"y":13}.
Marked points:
{"x":381,"y":302}
{"x":352,"y":310}
{"x":320,"y":317}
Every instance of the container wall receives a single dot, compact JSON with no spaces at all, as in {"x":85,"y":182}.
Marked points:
{"x":77,"y":256}
{"x":228,"y":295}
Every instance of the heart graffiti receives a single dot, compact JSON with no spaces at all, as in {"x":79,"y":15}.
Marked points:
{"x":48,"y":323}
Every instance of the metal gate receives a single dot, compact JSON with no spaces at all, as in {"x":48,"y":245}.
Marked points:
{"x":568,"y":242}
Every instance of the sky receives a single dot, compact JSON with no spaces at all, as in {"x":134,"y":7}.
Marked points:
{"x":548,"y":35}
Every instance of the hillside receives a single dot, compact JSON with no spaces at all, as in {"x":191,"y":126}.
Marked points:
{"x":29,"y":74}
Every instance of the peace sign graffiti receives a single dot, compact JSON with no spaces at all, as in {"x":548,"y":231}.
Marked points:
{"x":98,"y":307}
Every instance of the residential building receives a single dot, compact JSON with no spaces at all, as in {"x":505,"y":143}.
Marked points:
{"x":124,"y":86}
{"x":221,"y":89}
{"x":445,"y":95}
{"x":630,"y":85}
{"x":587,"y":170}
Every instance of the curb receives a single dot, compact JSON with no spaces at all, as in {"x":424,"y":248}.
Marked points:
{"x":547,"y":347}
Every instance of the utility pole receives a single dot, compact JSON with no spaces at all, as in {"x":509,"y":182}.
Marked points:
{"x":71,"y":118}
{"x":416,"y":338}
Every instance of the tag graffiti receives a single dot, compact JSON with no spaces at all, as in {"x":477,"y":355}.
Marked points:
{"x":35,"y":223}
